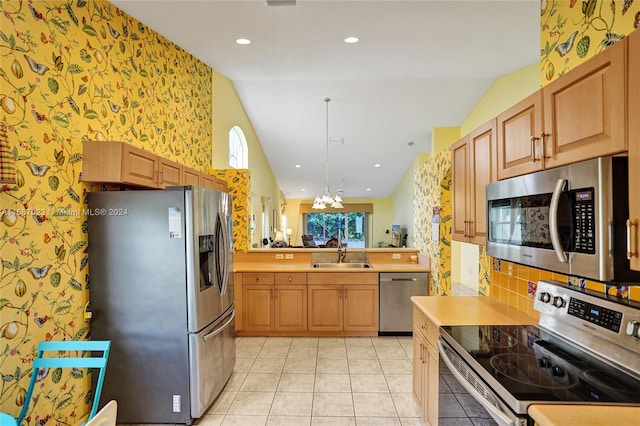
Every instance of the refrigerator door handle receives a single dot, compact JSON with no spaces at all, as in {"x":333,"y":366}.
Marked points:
{"x":221,"y":328}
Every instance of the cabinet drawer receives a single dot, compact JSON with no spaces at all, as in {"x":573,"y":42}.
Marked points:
{"x":290,"y":278}
{"x":430,"y":331}
{"x":265,"y":278}
{"x":343,"y":278}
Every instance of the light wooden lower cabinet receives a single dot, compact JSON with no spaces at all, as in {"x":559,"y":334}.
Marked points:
{"x":425,"y":367}
{"x":343,"y":302}
{"x":290,"y":307}
{"x":270,"y":306}
{"x":304,"y":304}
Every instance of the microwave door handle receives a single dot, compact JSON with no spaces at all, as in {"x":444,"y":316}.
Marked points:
{"x":553,"y":220}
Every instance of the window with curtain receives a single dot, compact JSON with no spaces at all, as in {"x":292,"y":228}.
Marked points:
{"x":238,"y":152}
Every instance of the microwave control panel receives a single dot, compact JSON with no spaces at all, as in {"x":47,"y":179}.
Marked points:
{"x":584,"y":238}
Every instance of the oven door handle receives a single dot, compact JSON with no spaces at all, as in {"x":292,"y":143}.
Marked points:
{"x":500,"y":417}
{"x":553,"y":221}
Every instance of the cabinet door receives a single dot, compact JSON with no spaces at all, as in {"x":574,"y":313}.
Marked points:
{"x":170,"y":173}
{"x":482,"y":171}
{"x":291,"y":307}
{"x":419,"y":376}
{"x":325,"y":307}
{"x":360,"y":307}
{"x":431,"y":378}
{"x":190,"y":177}
{"x":237,"y":299}
{"x":139,"y":167}
{"x":634,"y":143}
{"x":257,"y":305}
{"x":584,"y":111}
{"x":208,"y":181}
{"x":519,"y":152}
{"x":459,"y":188}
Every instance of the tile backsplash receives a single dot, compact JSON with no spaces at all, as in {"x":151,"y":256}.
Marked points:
{"x":516,"y":284}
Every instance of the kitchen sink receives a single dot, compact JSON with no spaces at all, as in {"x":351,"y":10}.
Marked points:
{"x":343,"y":265}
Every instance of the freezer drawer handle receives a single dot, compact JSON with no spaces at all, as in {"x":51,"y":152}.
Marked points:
{"x":220,"y":329}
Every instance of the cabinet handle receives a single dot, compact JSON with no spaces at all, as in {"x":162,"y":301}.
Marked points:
{"x":257,"y":279}
{"x":421,"y":352}
{"x":465,"y":229}
{"x":632,"y":243}
{"x":533,"y":148}
{"x":469,"y":235}
{"x":290,"y":278}
{"x":422,"y":348}
{"x":542,"y":137}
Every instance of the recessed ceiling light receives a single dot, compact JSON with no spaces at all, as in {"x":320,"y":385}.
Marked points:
{"x":351,"y":40}
{"x":304,"y":190}
{"x":376,"y":165}
{"x":297,"y":166}
{"x":243,"y":41}
{"x":368,"y":189}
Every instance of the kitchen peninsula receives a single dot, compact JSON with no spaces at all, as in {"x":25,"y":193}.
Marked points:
{"x":279,"y":291}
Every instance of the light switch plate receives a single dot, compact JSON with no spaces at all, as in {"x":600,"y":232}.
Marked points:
{"x":395,"y":256}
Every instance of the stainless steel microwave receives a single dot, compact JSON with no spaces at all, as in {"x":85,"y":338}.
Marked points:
{"x":570,"y":219}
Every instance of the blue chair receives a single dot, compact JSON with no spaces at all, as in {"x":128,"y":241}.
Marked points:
{"x":59,"y":360}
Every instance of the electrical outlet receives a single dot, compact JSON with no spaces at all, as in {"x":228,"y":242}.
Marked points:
{"x":288,"y":256}
{"x":395,"y":256}
{"x":279,"y":256}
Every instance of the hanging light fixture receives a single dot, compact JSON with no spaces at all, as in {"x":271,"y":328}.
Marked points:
{"x":327,"y":200}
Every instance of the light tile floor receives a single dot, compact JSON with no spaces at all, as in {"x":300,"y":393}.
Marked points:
{"x":318,"y":381}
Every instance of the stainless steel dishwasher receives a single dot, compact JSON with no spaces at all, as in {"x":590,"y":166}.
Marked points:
{"x":396,"y":289}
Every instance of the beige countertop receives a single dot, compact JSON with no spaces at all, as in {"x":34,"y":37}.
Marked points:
{"x":284,"y":266}
{"x":469,"y":310}
{"x":588,"y":415}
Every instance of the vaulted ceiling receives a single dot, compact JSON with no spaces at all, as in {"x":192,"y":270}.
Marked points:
{"x":418,"y":65}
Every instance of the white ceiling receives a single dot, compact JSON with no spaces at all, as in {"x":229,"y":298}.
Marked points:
{"x":418,"y":65}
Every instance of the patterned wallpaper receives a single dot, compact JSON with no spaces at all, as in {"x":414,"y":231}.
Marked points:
{"x":238,"y":182}
{"x":573,"y":31}
{"x":432,"y":208}
{"x":74,"y":70}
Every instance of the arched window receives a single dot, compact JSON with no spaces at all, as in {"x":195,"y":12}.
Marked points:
{"x":238,"y":152}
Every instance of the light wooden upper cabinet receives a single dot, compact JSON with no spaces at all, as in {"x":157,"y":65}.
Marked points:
{"x":190,"y":177}
{"x":459,"y":188}
{"x":473,"y":166}
{"x":579,"y":116}
{"x":170,"y":173}
{"x":633,"y":96}
{"x":584,"y":110}
{"x":122,"y":163}
{"x":518,"y":144}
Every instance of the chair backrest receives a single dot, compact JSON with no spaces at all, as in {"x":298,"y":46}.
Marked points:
{"x":59,"y":360}
{"x":106,"y":416}
{"x":308,"y":241}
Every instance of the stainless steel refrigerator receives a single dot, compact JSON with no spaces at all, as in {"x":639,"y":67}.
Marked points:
{"x":161,"y":288}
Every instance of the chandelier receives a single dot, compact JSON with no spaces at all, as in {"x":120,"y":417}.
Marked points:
{"x":327,"y":200}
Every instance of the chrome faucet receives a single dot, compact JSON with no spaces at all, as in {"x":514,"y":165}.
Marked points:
{"x":342,"y":252}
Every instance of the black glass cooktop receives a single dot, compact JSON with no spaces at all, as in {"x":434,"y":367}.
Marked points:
{"x":534,"y":365}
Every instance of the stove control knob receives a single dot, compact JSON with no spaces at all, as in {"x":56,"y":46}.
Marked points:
{"x":557,"y":371}
{"x":633,"y":329}
{"x":545,"y":297}
{"x":558,"y":302}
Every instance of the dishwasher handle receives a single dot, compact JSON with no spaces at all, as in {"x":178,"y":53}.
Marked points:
{"x":388,"y":280}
